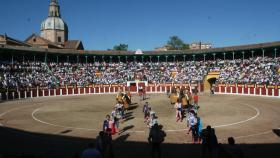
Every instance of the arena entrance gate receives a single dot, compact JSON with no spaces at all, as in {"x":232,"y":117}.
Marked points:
{"x":134,"y":86}
{"x":210,"y":79}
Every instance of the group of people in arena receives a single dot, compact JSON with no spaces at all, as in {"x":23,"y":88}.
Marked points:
{"x":185,"y":102}
{"x":150,"y":117}
{"x":156,"y":134}
{"x":112,"y":122}
{"x":18,"y":74}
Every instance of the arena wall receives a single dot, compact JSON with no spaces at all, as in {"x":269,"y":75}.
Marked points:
{"x":251,"y":90}
{"x":89,"y":90}
{"x":234,"y":89}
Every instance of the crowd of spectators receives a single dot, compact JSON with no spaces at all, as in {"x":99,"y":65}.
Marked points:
{"x":32,"y":74}
{"x":25,"y":74}
{"x":249,"y":71}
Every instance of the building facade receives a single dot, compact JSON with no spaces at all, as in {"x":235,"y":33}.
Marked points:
{"x":54,"y":34}
{"x":53,"y":28}
{"x":200,"y":45}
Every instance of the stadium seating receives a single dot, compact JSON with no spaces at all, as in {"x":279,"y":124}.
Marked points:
{"x":32,"y":74}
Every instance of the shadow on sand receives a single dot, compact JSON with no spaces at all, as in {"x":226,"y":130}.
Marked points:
{"x":132,"y":107}
{"x":18,"y":144}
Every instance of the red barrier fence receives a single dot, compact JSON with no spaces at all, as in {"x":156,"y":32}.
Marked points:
{"x":92,"y":89}
{"x":255,"y":90}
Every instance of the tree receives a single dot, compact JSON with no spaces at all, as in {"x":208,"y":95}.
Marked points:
{"x":121,"y":47}
{"x":175,"y":43}
{"x":185,"y":46}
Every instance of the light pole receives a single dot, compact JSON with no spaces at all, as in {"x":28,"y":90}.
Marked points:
{"x":214,"y":54}
{"x":243,"y":55}
{"x":184,"y":57}
{"x":12,"y":59}
{"x":111,"y":59}
{"x":94,"y":58}
{"x":46,"y":58}
{"x":158,"y":59}
{"x":233,"y":55}
{"x":204,"y":57}
{"x":252,"y":53}
{"x":150,"y":58}
{"x":275,"y":52}
{"x":134,"y":58}
{"x":174,"y":58}
{"x":193,"y":57}
{"x":119,"y":59}
{"x":142,"y":59}
{"x":166,"y":58}
{"x":224,"y":56}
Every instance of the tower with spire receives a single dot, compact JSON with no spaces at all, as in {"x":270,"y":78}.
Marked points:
{"x":53,"y":28}
{"x":54,"y":9}
{"x":54,"y":32}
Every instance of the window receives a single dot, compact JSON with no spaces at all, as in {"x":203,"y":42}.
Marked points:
{"x":58,"y":39}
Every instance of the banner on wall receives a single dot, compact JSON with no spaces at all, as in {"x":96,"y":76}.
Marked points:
{"x":270,"y":86}
{"x":193,"y":84}
{"x":250,"y":85}
{"x":260,"y":86}
{"x":41,"y":88}
{"x":97,"y":85}
{"x":240,"y":85}
{"x":177,"y":85}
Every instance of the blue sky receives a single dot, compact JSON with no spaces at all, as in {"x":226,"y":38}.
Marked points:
{"x":146,"y":24}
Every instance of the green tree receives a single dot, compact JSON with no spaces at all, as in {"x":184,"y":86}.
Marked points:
{"x":175,"y":43}
{"x":185,"y":46}
{"x":121,"y":47}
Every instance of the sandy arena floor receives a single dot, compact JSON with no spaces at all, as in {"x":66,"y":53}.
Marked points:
{"x":250,"y":120}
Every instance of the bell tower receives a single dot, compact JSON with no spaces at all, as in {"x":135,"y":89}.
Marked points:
{"x":54,"y":9}
{"x":53,"y":28}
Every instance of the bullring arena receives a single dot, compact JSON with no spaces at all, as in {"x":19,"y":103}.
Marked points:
{"x":53,"y":103}
{"x":64,"y":123}
{"x":58,"y":100}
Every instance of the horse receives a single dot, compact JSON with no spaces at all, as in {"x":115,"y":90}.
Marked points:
{"x":126,"y":101}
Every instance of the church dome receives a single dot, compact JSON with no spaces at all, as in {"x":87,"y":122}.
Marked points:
{"x":54,"y":23}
